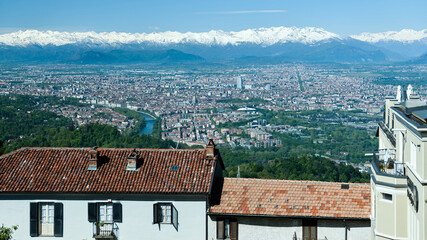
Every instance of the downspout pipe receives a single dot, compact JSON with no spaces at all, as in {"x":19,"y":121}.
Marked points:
{"x":345,"y":229}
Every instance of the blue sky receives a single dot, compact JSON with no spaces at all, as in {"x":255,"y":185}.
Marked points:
{"x":343,"y":17}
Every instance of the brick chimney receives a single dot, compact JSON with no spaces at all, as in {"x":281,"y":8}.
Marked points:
{"x":132,"y":161}
{"x":93,"y":159}
{"x":210,"y":148}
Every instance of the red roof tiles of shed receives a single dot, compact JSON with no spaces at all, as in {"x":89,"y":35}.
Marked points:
{"x":293,"y":199}
{"x":65,"y":170}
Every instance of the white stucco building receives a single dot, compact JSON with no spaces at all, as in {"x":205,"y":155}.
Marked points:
{"x":399,"y":170}
{"x":80,"y":193}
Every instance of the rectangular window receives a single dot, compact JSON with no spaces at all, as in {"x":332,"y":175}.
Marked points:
{"x":226,"y":229}
{"x":413,"y":157}
{"x":46,"y":219}
{"x":105,"y":212}
{"x":309,"y":229}
{"x":387,"y":196}
{"x":165,"y":213}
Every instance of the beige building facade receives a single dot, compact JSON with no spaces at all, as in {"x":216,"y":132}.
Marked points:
{"x":399,"y":170}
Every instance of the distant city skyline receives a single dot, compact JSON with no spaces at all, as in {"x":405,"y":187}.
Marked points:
{"x":341,"y":17}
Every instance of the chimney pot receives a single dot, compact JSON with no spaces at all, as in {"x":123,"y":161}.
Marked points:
{"x":132,"y":161}
{"x":93,"y":158}
{"x":210,"y":148}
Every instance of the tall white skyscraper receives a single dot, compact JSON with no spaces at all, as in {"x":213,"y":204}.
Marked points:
{"x":239,"y":82}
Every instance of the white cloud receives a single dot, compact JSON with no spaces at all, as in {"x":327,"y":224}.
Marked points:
{"x":245,"y":12}
{"x":153,"y":28}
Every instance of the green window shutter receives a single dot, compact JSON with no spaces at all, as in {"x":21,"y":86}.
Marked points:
{"x":58,"y":220}
{"x":156,"y":213}
{"x":117,"y":212}
{"x":174,"y":217}
{"x":34,"y":219}
{"x":91,"y":207}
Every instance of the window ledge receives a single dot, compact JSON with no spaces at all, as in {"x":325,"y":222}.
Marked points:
{"x":104,"y":237}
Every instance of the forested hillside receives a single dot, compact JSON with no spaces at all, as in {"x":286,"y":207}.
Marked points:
{"x":86,"y":136}
{"x":299,"y":168}
{"x":23,"y":123}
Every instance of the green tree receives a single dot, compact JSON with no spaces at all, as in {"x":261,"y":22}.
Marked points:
{"x":1,"y":148}
{"x":6,"y":233}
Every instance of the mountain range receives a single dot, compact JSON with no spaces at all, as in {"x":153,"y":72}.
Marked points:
{"x":279,"y":44}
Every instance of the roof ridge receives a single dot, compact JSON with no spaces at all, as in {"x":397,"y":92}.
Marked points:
{"x":11,"y":153}
{"x":291,"y":181}
{"x":100,"y":148}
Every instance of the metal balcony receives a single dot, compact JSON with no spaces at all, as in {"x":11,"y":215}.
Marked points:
{"x":105,"y":230}
{"x":387,"y":166}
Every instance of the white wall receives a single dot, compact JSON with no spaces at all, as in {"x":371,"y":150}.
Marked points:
{"x":332,"y":229}
{"x":268,"y":228}
{"x":255,"y":228}
{"x":335,"y":229}
{"x":137,"y":219}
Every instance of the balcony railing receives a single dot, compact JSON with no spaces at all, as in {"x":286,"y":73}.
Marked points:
{"x":390,"y":167}
{"x":388,"y":133}
{"x":105,"y":230}
{"x":386,"y":155}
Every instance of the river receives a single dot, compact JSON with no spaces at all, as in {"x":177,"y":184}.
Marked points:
{"x":149,"y":123}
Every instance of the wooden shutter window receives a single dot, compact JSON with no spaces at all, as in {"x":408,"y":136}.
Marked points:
{"x":156,"y":213}
{"x":117,"y":212}
{"x":233,"y":230}
{"x":58,"y":220}
{"x":309,"y":232}
{"x":34,"y":219}
{"x":92,"y":212}
{"x":309,"y":229}
{"x":174,"y":217}
{"x":220,"y":230}
{"x":313,"y":232}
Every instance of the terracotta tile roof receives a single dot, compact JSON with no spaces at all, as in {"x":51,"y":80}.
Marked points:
{"x":65,"y":170}
{"x":293,"y":199}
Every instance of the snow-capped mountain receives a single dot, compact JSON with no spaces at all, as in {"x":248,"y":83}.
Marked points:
{"x":407,"y":42}
{"x":404,"y":36}
{"x":277,"y":44}
{"x":260,"y":36}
